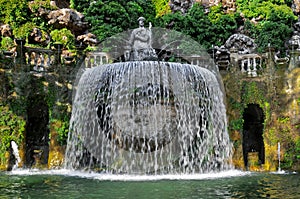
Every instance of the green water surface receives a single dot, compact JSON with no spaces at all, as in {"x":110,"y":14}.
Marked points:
{"x":251,"y":185}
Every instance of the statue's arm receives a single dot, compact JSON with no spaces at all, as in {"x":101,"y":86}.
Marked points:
{"x":143,"y":38}
{"x":132,"y":36}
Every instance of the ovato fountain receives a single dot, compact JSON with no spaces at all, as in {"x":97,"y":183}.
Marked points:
{"x":157,"y":109}
{"x":155,"y":114}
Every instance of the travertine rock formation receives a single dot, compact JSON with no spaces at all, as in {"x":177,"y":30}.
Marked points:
{"x":5,"y":30}
{"x":68,"y":18}
{"x":184,"y":5}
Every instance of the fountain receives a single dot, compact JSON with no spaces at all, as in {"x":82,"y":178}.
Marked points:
{"x":278,"y":154}
{"x":146,"y":114}
{"x":15,"y":152}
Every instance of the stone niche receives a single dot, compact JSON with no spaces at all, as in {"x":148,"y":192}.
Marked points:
{"x":37,"y":131}
{"x":253,"y":144}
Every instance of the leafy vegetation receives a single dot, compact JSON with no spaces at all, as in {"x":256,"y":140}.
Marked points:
{"x":108,"y":18}
{"x":268,"y":22}
{"x":7,"y":43}
{"x":63,"y":36}
{"x":273,"y":24}
{"x":207,"y":29}
{"x":62,"y":129}
{"x":161,"y":7}
{"x":12,"y":128}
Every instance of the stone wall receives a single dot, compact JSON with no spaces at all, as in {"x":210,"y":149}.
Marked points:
{"x":38,"y":90}
{"x":274,"y":91}
{"x":37,"y":87}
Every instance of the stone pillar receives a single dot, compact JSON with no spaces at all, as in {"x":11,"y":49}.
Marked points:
{"x":249,"y":66}
{"x":254,"y":73}
{"x":20,"y":58}
{"x":243,"y":66}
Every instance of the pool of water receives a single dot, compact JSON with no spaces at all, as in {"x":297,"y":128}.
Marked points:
{"x":68,"y":184}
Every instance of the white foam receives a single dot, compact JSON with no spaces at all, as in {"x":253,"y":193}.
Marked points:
{"x":15,"y":149}
{"x":119,"y":177}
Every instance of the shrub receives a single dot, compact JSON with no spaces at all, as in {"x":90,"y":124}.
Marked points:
{"x":12,"y":128}
{"x":63,"y":36}
{"x":7,"y":43}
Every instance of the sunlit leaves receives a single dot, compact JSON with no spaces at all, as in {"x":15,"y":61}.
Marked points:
{"x":162,"y":7}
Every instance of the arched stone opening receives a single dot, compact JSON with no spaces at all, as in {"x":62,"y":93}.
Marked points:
{"x":253,"y":143}
{"x":37,"y":131}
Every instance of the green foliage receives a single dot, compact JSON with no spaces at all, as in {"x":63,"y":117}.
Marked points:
{"x":292,"y":155}
{"x":174,"y":21}
{"x":37,"y":4}
{"x":283,"y":120}
{"x":12,"y":128}
{"x":108,"y":18}
{"x":236,"y":124}
{"x":162,"y":7}
{"x":80,"y":5}
{"x":63,"y":36}
{"x":223,"y":25}
{"x":215,"y":13}
{"x":250,"y":29}
{"x":297,"y":149}
{"x":195,"y":24}
{"x":59,"y":117}
{"x":14,"y":12}
{"x":212,"y":29}
{"x":198,"y":25}
{"x":262,"y":9}
{"x":134,"y":11}
{"x":7,"y":43}
{"x":252,"y":94}
{"x":62,"y":129}
{"x":24,"y":30}
{"x":275,"y":20}
{"x":273,"y":33}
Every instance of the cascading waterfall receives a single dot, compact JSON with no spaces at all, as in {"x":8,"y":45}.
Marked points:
{"x":148,"y":117}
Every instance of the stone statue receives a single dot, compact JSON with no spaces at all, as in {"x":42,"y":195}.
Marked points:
{"x":140,"y":43}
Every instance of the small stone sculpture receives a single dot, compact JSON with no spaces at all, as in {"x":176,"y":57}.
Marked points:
{"x":140,"y":43}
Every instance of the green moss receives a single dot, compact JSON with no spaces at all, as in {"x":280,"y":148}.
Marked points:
{"x":236,"y":125}
{"x":292,"y":155}
{"x":297,"y":149}
{"x":24,"y":30}
{"x":12,"y":128}
{"x":253,"y":94}
{"x":272,"y":136}
{"x":7,"y":43}
{"x":63,"y":36}
{"x":59,"y":114}
{"x":62,"y":130}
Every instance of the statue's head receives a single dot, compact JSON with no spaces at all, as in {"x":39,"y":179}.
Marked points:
{"x":141,"y":21}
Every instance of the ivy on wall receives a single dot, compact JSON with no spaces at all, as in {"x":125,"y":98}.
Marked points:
{"x":251,"y":93}
{"x":12,"y":128}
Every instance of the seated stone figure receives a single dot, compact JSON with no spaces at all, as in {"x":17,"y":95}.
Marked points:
{"x":140,"y":43}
